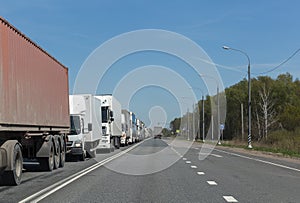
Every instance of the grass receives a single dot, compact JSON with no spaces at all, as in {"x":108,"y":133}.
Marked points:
{"x":263,"y":147}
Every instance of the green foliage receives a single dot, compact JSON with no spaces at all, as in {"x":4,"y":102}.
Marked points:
{"x":281,"y":131}
{"x":285,"y":140}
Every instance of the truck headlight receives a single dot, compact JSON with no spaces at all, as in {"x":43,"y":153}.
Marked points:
{"x":78,"y":143}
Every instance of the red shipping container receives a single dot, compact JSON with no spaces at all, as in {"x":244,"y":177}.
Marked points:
{"x":33,"y":85}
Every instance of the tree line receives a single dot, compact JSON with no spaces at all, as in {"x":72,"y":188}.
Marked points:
{"x":275,"y":110}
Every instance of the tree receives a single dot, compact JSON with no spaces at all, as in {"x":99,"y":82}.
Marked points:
{"x":268,"y":111}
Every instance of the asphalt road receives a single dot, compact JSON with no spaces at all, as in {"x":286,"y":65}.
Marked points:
{"x":161,"y":171}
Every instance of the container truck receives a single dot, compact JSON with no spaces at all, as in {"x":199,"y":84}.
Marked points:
{"x":148,"y":132}
{"x":126,"y":129}
{"x":157,"y":132}
{"x":140,"y":130}
{"x":111,"y":122}
{"x":132,"y":132}
{"x":34,"y":106}
{"x":86,"y":130}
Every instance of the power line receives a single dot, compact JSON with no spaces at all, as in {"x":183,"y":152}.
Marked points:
{"x":282,"y":63}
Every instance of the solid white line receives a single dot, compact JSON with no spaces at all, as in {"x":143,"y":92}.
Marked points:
{"x":216,"y":155}
{"x":211,"y":182}
{"x":230,"y":199}
{"x":36,"y":197}
{"x":259,"y":160}
{"x":193,"y":166}
{"x":200,"y":173}
{"x":188,"y":162}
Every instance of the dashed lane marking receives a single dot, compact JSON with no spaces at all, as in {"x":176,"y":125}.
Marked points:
{"x":216,"y":155}
{"x":188,"y":162}
{"x":211,"y":182}
{"x":184,"y":159}
{"x":230,"y":199}
{"x":193,"y":166}
{"x":200,"y":173}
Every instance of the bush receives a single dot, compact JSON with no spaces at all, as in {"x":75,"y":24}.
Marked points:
{"x":285,"y":140}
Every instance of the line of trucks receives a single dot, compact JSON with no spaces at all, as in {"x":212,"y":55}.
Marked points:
{"x":41,"y":123}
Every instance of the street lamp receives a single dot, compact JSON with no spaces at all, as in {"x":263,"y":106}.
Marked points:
{"x":249,"y":93}
{"x":188,"y":120}
{"x":218,"y":104}
{"x":203,"y":118}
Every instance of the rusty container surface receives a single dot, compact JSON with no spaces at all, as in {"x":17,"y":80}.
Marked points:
{"x":33,"y":84}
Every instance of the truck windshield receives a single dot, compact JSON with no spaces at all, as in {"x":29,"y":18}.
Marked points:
{"x":104,"y":112}
{"x":75,"y":125}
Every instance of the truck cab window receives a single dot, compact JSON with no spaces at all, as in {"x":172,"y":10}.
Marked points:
{"x":75,"y":125}
{"x":104,"y":113}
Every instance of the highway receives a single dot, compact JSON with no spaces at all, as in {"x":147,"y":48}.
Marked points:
{"x":155,"y":170}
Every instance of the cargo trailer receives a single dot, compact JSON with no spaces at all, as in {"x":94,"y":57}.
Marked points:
{"x":34,"y":106}
{"x":126,"y":129}
{"x":111,"y":122}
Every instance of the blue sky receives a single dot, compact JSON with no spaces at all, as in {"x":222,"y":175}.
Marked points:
{"x":268,"y":31}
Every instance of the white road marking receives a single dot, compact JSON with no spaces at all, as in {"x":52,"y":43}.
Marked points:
{"x":200,"y":173}
{"x":216,"y":155}
{"x":211,"y":182}
{"x":204,"y":154}
{"x":176,"y":152}
{"x":259,"y":160}
{"x":188,"y":162}
{"x":184,"y":159}
{"x":230,"y":199}
{"x":193,"y":166}
{"x":196,"y":148}
{"x":36,"y":197}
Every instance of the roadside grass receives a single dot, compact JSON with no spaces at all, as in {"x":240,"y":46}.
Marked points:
{"x":280,"y":147}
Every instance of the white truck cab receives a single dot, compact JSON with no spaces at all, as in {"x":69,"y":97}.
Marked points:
{"x":85,"y":122}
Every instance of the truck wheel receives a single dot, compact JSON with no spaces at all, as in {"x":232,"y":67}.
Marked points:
{"x":62,"y":154}
{"x":14,"y":154}
{"x":117,"y":142}
{"x":81,"y":157}
{"x":47,"y":163}
{"x":56,"y":153}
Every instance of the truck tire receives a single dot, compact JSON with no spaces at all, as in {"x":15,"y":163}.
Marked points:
{"x":81,"y":157}
{"x":15,"y":159}
{"x":62,"y":153}
{"x":56,"y":152}
{"x":47,"y":163}
{"x":117,"y":142}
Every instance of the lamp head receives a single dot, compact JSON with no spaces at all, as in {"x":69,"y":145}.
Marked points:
{"x":226,"y":47}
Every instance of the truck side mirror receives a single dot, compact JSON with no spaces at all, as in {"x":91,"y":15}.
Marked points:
{"x":90,"y":127}
{"x":112,"y":119}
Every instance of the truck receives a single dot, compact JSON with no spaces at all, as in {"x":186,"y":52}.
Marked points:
{"x":132,"y":132}
{"x":34,"y":106}
{"x":157,"y":132}
{"x":148,"y":132}
{"x":111,"y":122}
{"x":86,"y":126}
{"x":126,"y":129}
{"x":140,"y":130}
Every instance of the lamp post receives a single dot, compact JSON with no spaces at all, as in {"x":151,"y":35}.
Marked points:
{"x":249,"y":93}
{"x":203,"y":118}
{"x":188,"y":120}
{"x":218,"y":109}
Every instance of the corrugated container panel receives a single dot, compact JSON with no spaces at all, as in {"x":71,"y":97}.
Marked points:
{"x":33,"y":85}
